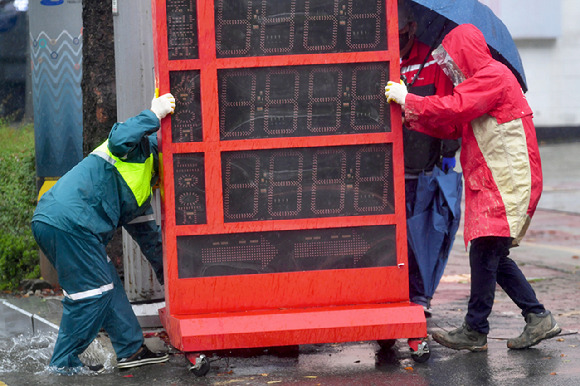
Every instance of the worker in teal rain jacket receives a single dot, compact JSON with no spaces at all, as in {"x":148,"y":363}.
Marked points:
{"x":75,"y":220}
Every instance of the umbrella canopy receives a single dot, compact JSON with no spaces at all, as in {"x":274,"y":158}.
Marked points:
{"x":434,"y":222}
{"x":435,"y":18}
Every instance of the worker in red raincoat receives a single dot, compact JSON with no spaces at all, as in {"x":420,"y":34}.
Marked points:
{"x":422,"y":153}
{"x":503,"y":178}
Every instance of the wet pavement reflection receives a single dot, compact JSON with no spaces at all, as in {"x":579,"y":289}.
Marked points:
{"x":549,"y":256}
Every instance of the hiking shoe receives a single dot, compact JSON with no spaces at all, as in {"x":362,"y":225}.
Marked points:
{"x":538,"y":327}
{"x":142,"y":357}
{"x":462,"y":338}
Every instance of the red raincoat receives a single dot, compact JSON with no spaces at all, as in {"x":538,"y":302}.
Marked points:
{"x":499,"y":154}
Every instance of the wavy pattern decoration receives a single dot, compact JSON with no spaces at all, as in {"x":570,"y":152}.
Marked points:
{"x":57,"y":95}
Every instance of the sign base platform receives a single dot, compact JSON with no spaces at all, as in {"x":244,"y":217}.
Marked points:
{"x":283,"y":327}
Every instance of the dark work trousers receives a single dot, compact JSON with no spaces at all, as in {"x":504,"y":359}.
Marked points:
{"x":490,"y":264}
{"x":416,"y":287}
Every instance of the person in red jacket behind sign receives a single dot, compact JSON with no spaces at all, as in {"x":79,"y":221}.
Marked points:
{"x":422,"y":152}
{"x":503,"y":178}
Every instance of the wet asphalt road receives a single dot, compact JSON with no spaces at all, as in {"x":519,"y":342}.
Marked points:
{"x":549,"y":256}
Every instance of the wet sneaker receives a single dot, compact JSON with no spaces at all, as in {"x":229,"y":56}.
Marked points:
{"x":142,"y":357}
{"x":95,"y":369}
{"x":84,"y":370}
{"x":462,"y":338}
{"x":538,"y":327}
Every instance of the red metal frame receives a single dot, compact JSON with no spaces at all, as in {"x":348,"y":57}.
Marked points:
{"x":283,"y":308}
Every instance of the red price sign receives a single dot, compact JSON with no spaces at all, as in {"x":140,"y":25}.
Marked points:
{"x":283,"y":183}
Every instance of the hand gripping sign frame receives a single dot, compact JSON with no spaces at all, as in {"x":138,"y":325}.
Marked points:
{"x":283,"y":208}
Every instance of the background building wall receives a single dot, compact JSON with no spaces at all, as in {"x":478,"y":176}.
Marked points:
{"x":547,"y":34}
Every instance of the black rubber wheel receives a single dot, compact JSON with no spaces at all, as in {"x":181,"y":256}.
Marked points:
{"x":421,"y":357}
{"x":386,"y":344}
{"x":203,"y":369}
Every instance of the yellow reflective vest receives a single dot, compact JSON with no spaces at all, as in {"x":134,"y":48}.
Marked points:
{"x":136,"y":175}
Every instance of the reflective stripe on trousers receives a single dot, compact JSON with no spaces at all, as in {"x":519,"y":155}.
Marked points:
{"x":89,"y":293}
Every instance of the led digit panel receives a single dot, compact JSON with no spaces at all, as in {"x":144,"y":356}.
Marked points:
{"x":296,"y":101}
{"x":189,"y":182}
{"x":186,"y":121}
{"x":182,"y":29}
{"x":306,"y":183}
{"x":287,"y":251}
{"x":273,"y":27}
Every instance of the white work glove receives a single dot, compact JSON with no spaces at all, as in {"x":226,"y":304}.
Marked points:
{"x":396,"y":92}
{"x":163,"y":105}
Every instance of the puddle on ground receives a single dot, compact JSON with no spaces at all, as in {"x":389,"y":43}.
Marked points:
{"x":31,"y":353}
{"x":26,"y":353}
{"x":27,"y":343}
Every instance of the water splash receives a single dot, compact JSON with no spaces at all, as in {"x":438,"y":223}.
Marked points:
{"x":100,"y":351}
{"x":26,"y":353}
{"x":32,"y":353}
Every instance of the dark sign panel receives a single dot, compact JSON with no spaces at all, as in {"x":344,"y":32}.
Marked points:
{"x":306,"y":183}
{"x":272,"y":27}
{"x":182,"y":29}
{"x":303,"y":101}
{"x":186,"y":121}
{"x":189,"y":172}
{"x":288,"y":251}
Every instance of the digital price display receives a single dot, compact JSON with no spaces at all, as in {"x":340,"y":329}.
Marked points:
{"x":273,"y":27}
{"x":282,"y":176}
{"x":305,"y":183}
{"x":260,"y":102}
{"x":296,"y":101}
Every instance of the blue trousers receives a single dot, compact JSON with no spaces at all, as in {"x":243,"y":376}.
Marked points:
{"x":94,"y":298}
{"x":490,"y":264}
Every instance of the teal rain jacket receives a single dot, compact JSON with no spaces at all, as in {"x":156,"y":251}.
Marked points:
{"x":93,"y":199}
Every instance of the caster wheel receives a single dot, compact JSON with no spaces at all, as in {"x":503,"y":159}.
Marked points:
{"x":386,"y":344}
{"x":422,"y":353}
{"x":199,"y":364}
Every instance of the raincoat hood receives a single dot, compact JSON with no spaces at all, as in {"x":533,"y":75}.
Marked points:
{"x":462,"y":53}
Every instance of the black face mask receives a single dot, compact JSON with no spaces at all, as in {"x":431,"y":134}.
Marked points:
{"x":404,"y":39}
